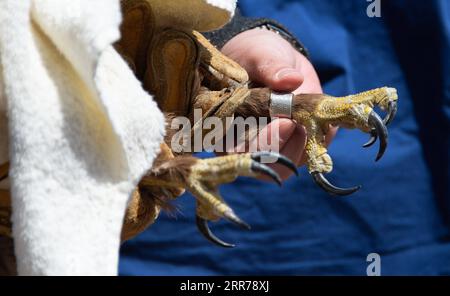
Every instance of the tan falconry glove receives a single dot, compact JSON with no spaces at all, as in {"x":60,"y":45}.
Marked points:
{"x":158,"y":44}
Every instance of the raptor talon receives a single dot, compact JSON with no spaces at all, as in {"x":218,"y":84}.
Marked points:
{"x":231,"y":216}
{"x":206,"y":175}
{"x":381,"y":131}
{"x":391,"y":112}
{"x":265,"y":170}
{"x":281,"y":159}
{"x":320,"y":180}
{"x":202,"y":225}
{"x":372,"y":140}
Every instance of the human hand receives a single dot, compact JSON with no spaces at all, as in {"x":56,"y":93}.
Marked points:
{"x":273,"y":62}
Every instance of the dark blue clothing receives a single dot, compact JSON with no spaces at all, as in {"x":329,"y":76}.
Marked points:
{"x":403,"y":210}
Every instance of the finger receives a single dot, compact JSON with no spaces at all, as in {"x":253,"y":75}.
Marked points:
{"x":275,"y":133}
{"x":278,"y":76}
{"x":266,"y":139}
{"x":293,"y":149}
{"x":330,"y":135}
{"x":291,"y":141}
{"x":275,"y":71}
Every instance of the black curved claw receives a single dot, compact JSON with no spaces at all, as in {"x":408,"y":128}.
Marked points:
{"x":280,"y":159}
{"x":391,"y":112}
{"x":372,"y":140}
{"x":381,"y":130}
{"x":330,"y":188}
{"x":202,"y":225}
{"x":263,"y":169}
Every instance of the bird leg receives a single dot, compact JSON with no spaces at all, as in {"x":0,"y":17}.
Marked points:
{"x":202,"y":178}
{"x":317,"y":112}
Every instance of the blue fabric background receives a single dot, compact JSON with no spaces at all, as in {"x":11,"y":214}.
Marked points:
{"x":403,"y":210}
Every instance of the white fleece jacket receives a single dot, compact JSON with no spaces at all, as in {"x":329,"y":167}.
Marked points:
{"x":77,"y":127}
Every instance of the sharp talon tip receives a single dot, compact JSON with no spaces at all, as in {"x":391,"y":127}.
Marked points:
{"x":382,"y":149}
{"x":281,"y":159}
{"x":379,"y":156}
{"x":265,"y":170}
{"x":320,"y":180}
{"x":371,"y":141}
{"x":391,"y":112}
{"x":231,"y":216}
{"x":381,"y":130}
{"x":287,"y":163}
{"x":202,"y":225}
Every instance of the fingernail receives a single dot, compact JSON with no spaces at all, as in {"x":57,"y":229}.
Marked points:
{"x":285,"y":72}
